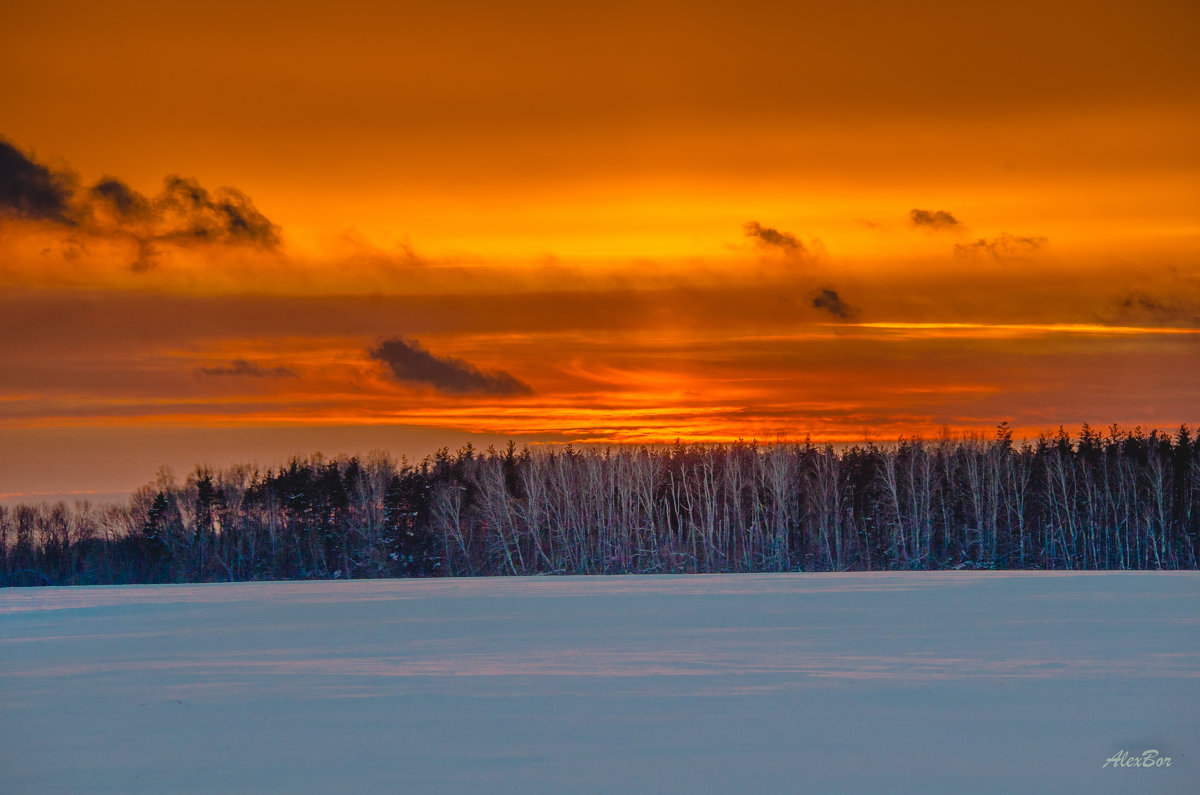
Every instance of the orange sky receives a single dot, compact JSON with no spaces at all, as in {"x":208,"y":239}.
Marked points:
{"x":585,"y":222}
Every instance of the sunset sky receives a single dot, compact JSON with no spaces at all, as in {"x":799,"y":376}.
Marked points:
{"x":240,"y":231}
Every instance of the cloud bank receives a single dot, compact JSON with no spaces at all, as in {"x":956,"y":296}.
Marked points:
{"x":182,"y":214}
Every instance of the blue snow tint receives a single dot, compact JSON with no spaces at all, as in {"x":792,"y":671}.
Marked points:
{"x":867,"y":682}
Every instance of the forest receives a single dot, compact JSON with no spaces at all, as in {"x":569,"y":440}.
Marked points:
{"x":1096,"y":500}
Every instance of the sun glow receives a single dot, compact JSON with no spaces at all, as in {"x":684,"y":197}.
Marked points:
{"x":594,"y":225}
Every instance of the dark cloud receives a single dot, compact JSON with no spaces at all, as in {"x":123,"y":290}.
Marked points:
{"x":184,"y":213}
{"x":124,"y":202}
{"x":30,"y":190}
{"x":828,"y":300}
{"x":146,"y":256}
{"x":1142,"y":307}
{"x":243,"y":367}
{"x":1004,"y":247}
{"x":767,"y":236}
{"x":410,"y":363}
{"x":228,"y":216}
{"x":933,"y":219}
{"x":1140,"y":302}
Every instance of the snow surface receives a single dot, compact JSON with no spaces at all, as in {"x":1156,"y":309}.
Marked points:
{"x":875,"y":682}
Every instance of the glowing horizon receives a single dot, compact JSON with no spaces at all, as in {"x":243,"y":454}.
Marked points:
{"x":591,"y":224}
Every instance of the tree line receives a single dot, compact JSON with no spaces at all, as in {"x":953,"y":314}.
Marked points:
{"x":1098,"y":500}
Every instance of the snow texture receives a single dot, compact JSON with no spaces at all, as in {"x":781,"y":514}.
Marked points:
{"x":874,"y":682}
